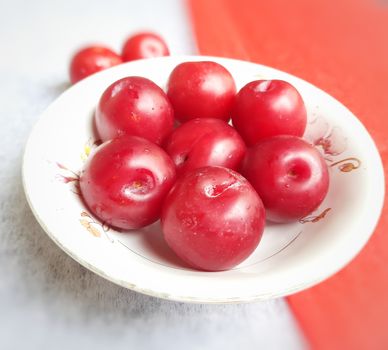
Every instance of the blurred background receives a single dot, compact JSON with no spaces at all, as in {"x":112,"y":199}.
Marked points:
{"x":48,"y":300}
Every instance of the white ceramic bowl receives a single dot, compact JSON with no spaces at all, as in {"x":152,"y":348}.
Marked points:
{"x":289,"y":258}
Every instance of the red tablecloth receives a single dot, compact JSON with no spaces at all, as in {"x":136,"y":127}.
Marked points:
{"x":342,"y":47}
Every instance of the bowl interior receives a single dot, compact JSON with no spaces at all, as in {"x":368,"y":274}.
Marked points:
{"x":289,"y":258}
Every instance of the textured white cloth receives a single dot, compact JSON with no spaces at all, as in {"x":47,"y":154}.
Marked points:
{"x":46,"y":299}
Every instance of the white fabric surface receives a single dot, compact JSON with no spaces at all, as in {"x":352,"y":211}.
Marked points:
{"x":46,"y":299}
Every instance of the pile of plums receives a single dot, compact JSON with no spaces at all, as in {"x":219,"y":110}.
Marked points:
{"x":173,"y":156}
